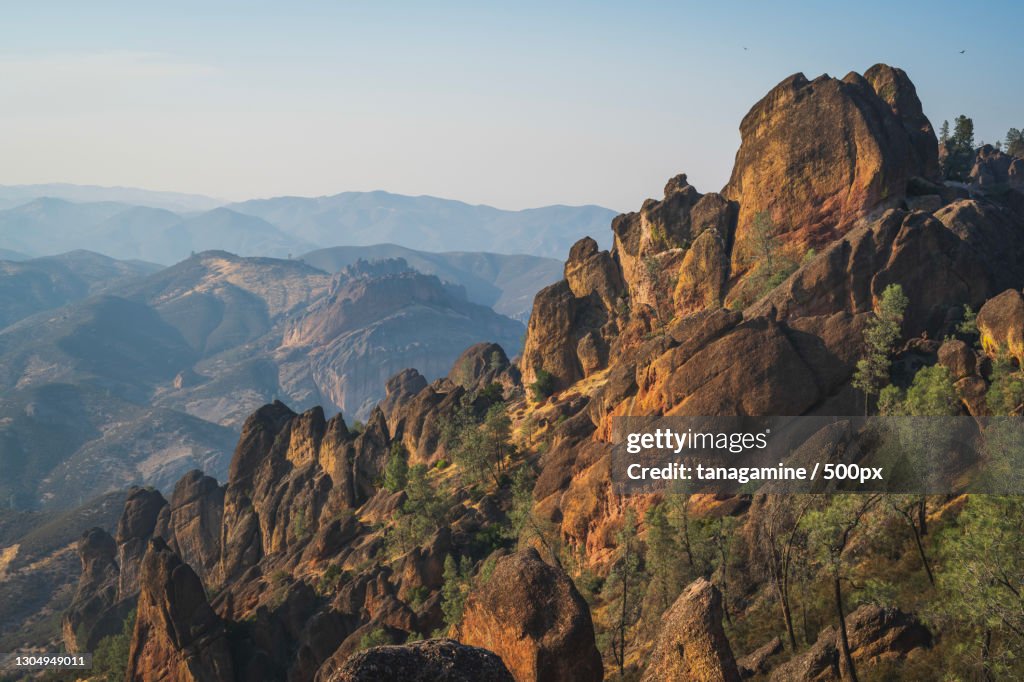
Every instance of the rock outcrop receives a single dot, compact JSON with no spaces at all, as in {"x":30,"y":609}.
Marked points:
{"x":195,"y":517}
{"x":426,"y":661}
{"x":818,"y":155}
{"x":530,"y":614}
{"x":177,"y":635}
{"x":1001,"y":324}
{"x":993,"y":169}
{"x":482,"y":365}
{"x":142,"y":511}
{"x":303,"y":548}
{"x":876,"y":634}
{"x":692,"y":644}
{"x":93,"y":613}
{"x":757,"y":661}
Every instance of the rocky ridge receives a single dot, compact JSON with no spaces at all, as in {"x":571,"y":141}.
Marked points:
{"x":301,"y":574}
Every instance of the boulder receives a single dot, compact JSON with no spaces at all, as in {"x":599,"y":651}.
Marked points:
{"x":993,"y":168}
{"x":958,"y":358}
{"x":592,"y":271}
{"x":703,"y":274}
{"x":1001,"y":324}
{"x":481,"y":365}
{"x":400,"y":388}
{"x":427,"y":661}
{"x":691,"y":644}
{"x":553,"y":335}
{"x":530,"y":614}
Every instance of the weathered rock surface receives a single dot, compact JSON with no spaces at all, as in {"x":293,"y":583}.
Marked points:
{"x":692,"y":644}
{"x":196,"y":514}
{"x":93,"y":614}
{"x":756,"y":662}
{"x":382,"y":318}
{"x":481,"y":365}
{"x":530,"y":614}
{"x":138,"y":524}
{"x":867,"y":137}
{"x":650,"y":244}
{"x":703,"y":274}
{"x":958,"y":358}
{"x":427,"y":661}
{"x":177,"y":635}
{"x":1001,"y":323}
{"x":876,"y":634}
{"x":992,"y":169}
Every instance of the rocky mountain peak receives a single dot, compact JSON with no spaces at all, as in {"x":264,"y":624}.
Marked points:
{"x":867,"y":137}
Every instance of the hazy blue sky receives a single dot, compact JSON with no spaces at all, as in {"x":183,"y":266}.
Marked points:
{"x":517,"y":105}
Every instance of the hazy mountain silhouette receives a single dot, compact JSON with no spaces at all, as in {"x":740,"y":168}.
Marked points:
{"x":15,"y":195}
{"x":281,"y":227}
{"x":429,"y":223}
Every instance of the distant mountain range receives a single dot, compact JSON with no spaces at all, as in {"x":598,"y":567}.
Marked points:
{"x":15,"y":195}
{"x":40,"y":220}
{"x":429,"y":223}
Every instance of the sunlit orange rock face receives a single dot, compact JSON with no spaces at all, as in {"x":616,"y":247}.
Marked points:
{"x":818,"y":155}
{"x":177,"y":635}
{"x":531,"y":615}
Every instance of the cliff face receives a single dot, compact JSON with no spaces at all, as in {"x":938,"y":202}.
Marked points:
{"x":373,"y":325}
{"x":177,"y":635}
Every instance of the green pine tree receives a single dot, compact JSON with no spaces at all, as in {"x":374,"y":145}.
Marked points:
{"x":882,"y":333}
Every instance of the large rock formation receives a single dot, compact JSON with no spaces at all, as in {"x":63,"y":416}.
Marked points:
{"x":876,"y":634}
{"x":426,"y":661}
{"x":692,"y":644}
{"x":993,"y":169}
{"x":818,"y":155}
{"x":138,"y":524}
{"x":300,"y":547}
{"x":195,"y":515}
{"x":530,"y":614}
{"x":92,"y":614}
{"x":650,"y":244}
{"x":177,"y":635}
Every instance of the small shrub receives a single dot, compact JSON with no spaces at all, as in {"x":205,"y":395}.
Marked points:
{"x":110,"y":662}
{"x":418,"y":595}
{"x":376,"y":637}
{"x":544,"y":386}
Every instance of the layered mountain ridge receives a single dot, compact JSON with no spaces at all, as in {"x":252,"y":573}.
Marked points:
{"x":112,"y":375}
{"x":282,"y":227}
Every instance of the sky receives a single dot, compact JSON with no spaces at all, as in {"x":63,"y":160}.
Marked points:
{"x":509,"y":104}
